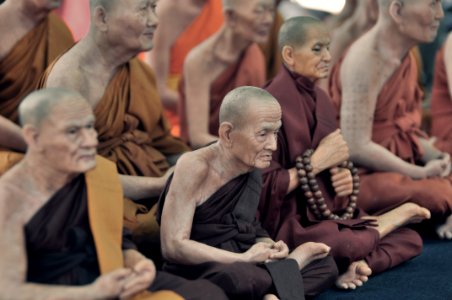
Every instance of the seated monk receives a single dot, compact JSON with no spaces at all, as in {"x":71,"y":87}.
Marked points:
{"x":441,"y":103}
{"x":133,"y":132}
{"x":61,"y":216}
{"x":208,"y":211}
{"x":309,"y":193}
{"x":31,"y":38}
{"x":183,"y":25}
{"x":228,"y":59}
{"x":375,"y":87}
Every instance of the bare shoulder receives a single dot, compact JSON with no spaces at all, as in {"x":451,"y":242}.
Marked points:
{"x":197,"y":60}
{"x":66,"y":73}
{"x":12,"y":199}
{"x":192,"y":166}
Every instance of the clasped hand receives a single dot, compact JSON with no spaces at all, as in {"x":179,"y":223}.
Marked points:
{"x":265,"y":252}
{"x":331,"y":151}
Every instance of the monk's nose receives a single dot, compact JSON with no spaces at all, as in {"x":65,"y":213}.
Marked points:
{"x":89,"y":138}
{"x":273,"y":143}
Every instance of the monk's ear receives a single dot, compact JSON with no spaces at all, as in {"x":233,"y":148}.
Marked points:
{"x":287,"y":54}
{"x":31,"y":135}
{"x":224,"y":133}
{"x":395,"y":11}
{"x":100,"y":18}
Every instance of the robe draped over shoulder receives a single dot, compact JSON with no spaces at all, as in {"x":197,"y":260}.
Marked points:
{"x":248,"y":70}
{"x":396,"y":127}
{"x":307,"y":117}
{"x":22,"y":67}
{"x":441,"y":106}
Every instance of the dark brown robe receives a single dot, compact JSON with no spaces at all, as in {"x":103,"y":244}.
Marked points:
{"x":441,"y":106}
{"x":396,"y":127}
{"x":227,"y":220}
{"x":62,"y":249}
{"x":22,"y":67}
{"x":248,"y":70}
{"x":307,"y":117}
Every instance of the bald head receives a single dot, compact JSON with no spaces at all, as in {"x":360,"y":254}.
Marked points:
{"x":294,"y":32}
{"x":236,"y":104}
{"x":38,"y":105}
{"x":107,"y":4}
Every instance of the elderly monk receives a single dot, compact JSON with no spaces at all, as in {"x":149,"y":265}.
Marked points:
{"x":376,"y":88}
{"x":309,"y":195}
{"x":31,"y":38}
{"x":441,"y":103}
{"x":183,"y":25}
{"x":121,"y":89}
{"x":228,"y":59}
{"x":61,"y":215}
{"x":209,"y":225}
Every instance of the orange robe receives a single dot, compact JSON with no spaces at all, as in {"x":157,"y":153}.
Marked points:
{"x":22,"y":67}
{"x":396,"y":127}
{"x":441,"y":106}
{"x":248,"y":70}
{"x":209,"y":20}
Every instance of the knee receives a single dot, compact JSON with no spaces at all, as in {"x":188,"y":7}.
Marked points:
{"x":208,"y":290}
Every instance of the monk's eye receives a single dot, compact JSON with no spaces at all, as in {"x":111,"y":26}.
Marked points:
{"x":72,"y":131}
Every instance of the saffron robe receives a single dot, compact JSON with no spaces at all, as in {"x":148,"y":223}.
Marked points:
{"x":307,"y":117}
{"x":227,"y":220}
{"x":396,"y":127}
{"x":248,"y":70}
{"x":441,"y":106}
{"x":22,"y":67}
{"x":77,"y":235}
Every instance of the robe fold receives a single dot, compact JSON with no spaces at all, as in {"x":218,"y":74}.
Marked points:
{"x":248,"y":70}
{"x":307,"y":117}
{"x":441,"y":106}
{"x":227,"y":220}
{"x":22,"y":67}
{"x":396,"y":127}
{"x":76,"y":236}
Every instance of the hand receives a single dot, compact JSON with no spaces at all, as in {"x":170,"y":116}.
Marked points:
{"x":143,"y":274}
{"x":342,"y":181}
{"x":331,"y":151}
{"x":282,"y":251}
{"x":259,"y":253}
{"x":440,"y":167}
{"x":110,"y":285}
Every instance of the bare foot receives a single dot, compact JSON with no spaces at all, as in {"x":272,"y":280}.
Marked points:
{"x":356,"y":275}
{"x":445,"y":231}
{"x":308,"y":252}
{"x":407,"y":213}
{"x":270,"y":297}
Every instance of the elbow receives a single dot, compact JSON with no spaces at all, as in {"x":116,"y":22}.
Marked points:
{"x":171,"y":250}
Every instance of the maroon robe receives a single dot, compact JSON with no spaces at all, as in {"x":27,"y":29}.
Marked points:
{"x":227,"y":220}
{"x":307,"y":117}
{"x":396,"y":127}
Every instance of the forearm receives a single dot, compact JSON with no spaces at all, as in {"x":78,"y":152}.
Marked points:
{"x":430,"y":151}
{"x":11,"y":136}
{"x":140,"y":187}
{"x":198,"y":140}
{"x":132,"y":257}
{"x":190,"y":252}
{"x":377,"y":158}
{"x":265,"y":240}
{"x":29,"y":291}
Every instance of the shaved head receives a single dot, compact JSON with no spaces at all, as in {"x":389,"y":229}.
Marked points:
{"x":236,"y":104}
{"x":294,"y":31}
{"x":107,"y":4}
{"x":38,"y":105}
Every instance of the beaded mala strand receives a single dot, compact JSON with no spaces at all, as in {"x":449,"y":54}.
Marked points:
{"x":314,"y":196}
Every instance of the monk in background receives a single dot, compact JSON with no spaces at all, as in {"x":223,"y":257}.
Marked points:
{"x":183,"y":25}
{"x":61,"y":215}
{"x":133,"y":131}
{"x":376,"y":89}
{"x":309,"y":195}
{"x":441,"y":102}
{"x":31,"y":38}
{"x":228,"y":59}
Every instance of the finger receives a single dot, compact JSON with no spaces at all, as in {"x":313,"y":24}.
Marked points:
{"x":120,"y":274}
{"x":334,"y":171}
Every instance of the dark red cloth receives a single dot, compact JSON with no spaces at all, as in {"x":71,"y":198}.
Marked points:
{"x":307,"y":117}
{"x":396,"y":127}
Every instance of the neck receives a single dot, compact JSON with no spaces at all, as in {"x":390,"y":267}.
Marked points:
{"x":27,"y":12}
{"x":391,"y":43}
{"x":226,"y":165}
{"x":45,"y":180}
{"x":229,"y":45}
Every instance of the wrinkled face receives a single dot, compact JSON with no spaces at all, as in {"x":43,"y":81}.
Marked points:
{"x":420,"y":19}
{"x":67,"y":138}
{"x":132,"y":23}
{"x":254,"y":143}
{"x":47,"y":4}
{"x":312,"y":59}
{"x":253,"y":19}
